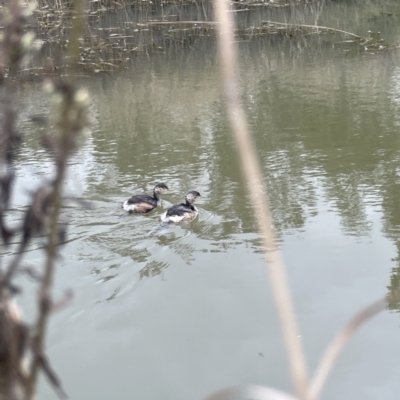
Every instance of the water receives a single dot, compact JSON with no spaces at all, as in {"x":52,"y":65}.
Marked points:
{"x":179,"y":312}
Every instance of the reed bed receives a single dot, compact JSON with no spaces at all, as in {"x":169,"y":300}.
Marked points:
{"x":116,"y":32}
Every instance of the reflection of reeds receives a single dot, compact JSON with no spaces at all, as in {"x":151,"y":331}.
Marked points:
{"x":252,"y":172}
{"x":153,"y":268}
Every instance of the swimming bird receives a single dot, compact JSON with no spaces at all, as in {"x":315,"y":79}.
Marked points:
{"x":184,"y":211}
{"x":142,"y":203}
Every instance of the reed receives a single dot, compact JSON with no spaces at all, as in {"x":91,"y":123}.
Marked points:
{"x":305,"y":389}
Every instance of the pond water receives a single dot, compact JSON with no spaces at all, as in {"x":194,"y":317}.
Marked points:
{"x":177,"y":313}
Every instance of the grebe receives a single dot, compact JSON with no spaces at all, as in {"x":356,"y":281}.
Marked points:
{"x":184,"y":211}
{"x":142,"y":203}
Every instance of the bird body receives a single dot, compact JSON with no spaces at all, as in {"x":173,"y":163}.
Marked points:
{"x":184,"y":211}
{"x":143,"y":203}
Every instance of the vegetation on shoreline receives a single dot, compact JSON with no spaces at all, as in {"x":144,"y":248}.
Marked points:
{"x":116,"y":32}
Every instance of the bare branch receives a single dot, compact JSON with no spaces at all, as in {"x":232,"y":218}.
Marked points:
{"x":52,"y":376}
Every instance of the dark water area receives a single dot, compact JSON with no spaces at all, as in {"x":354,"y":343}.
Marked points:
{"x":177,"y":313}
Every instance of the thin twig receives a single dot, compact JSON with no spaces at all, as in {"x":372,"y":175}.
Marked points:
{"x":11,"y":336}
{"x":179,"y":23}
{"x":324,"y":28}
{"x":70,"y":127}
{"x":336,"y":346}
{"x":256,"y":188}
{"x":47,"y":280}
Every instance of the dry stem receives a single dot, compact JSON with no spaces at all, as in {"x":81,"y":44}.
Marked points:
{"x":336,"y":346}
{"x":256,"y":188}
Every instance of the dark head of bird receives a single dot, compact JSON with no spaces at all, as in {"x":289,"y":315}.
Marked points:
{"x":160,"y":188}
{"x":192,"y":196}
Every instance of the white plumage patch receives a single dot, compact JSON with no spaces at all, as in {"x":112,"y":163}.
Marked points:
{"x":178,"y":218}
{"x":171,"y":218}
{"x":128,"y":207}
{"x":141,"y":207}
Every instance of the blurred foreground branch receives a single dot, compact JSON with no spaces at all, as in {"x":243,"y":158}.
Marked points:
{"x":69,"y":114}
{"x":253,"y":176}
{"x":256,"y":188}
{"x":337,"y":344}
{"x":333,"y":350}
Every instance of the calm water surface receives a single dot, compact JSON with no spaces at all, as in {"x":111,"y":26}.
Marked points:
{"x":177,"y":313}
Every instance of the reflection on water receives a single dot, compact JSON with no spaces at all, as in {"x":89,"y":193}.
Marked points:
{"x":179,"y":311}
